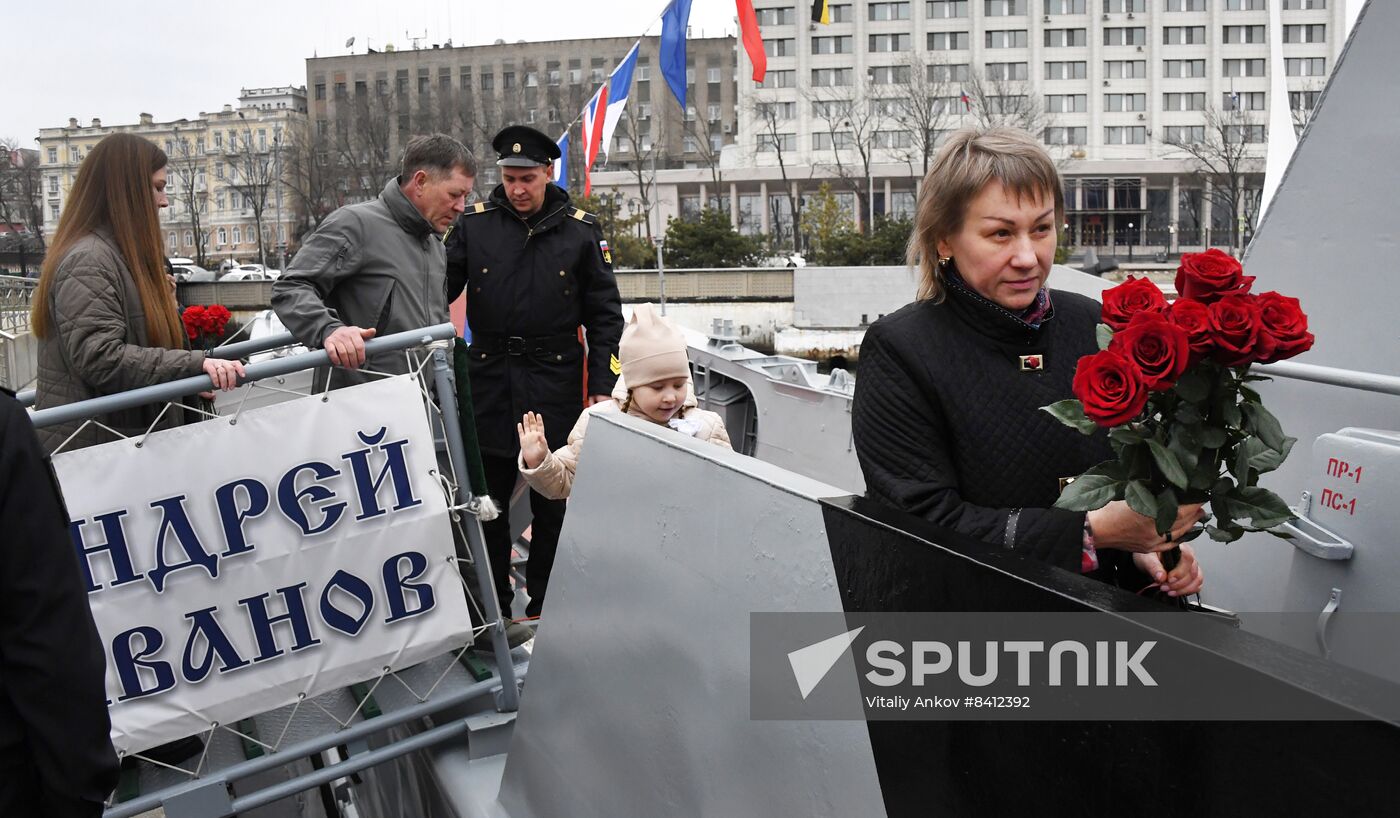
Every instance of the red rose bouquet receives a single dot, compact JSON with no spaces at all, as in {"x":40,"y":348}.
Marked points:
{"x":205,"y":325}
{"x":1171,"y":383}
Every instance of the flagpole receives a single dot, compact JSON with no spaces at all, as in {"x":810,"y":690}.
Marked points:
{"x":653,"y":22}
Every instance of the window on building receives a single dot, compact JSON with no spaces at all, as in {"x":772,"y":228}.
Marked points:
{"x":1007,"y":39}
{"x":1249,"y":5}
{"x":223,"y":237}
{"x":53,"y":211}
{"x":1125,"y":69}
{"x":1059,"y":135}
{"x":779,"y":79}
{"x":826,"y":141}
{"x":888,"y":11}
{"x":1242,"y":101}
{"x":1125,"y":135}
{"x":783,"y":16}
{"x":1186,"y":35}
{"x":831,"y":77}
{"x":841,"y":13}
{"x":1185,"y":5}
{"x":218,"y":170}
{"x":779,"y":47}
{"x":320,"y":92}
{"x":507,"y":79}
{"x":1066,"y":37}
{"x":768,"y":142}
{"x":1300,"y":5}
{"x":826,"y":109}
{"x":189,"y":238}
{"x":1125,"y":36}
{"x":946,"y":72}
{"x":946,"y":9}
{"x":889,"y":42}
{"x":53,"y":156}
{"x":1075,"y":70}
{"x":1184,"y":134}
{"x":1305,"y":34}
{"x":889,"y":75}
{"x":1250,"y":134}
{"x":1183,"y":68}
{"x":948,"y":40}
{"x":833,"y":45}
{"x":1124,"y":102}
{"x":1305,"y":66}
{"x":1004,"y":8}
{"x":552,"y":73}
{"x":1243,"y":68}
{"x":1242,"y":34}
{"x":1124,"y":6}
{"x":237,"y":236}
{"x":53,"y":184}
{"x":1008,"y":71}
{"x":1303,"y":100}
{"x":712,"y":112}
{"x":1184,"y":101}
{"x":488,"y":81}
{"x":1066,"y":103}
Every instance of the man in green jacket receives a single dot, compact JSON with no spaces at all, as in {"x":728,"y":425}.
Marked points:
{"x":378,"y":267}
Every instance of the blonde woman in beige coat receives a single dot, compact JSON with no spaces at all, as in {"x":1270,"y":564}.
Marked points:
{"x":652,"y":355}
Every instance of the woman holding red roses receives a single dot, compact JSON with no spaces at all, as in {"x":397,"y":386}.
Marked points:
{"x":947,"y":419}
{"x":104,"y":312}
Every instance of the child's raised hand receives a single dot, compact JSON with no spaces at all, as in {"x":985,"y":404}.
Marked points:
{"x":533,"y":446}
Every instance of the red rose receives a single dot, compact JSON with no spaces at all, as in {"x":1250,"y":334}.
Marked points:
{"x":1209,"y":276}
{"x":1131,"y":297}
{"x":1160,"y":349}
{"x":193,"y":318}
{"x":1285,"y":324}
{"x":1235,"y":326}
{"x":217,"y":317}
{"x":1110,"y":387}
{"x":1194,"y":318}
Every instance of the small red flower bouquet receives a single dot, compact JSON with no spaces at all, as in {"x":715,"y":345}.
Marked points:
{"x":1171,"y":383}
{"x":205,"y":325}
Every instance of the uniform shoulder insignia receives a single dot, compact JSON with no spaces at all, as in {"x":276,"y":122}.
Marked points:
{"x":585,"y":217}
{"x":481,"y":207}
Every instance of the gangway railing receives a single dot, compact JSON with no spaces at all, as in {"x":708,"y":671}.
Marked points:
{"x":504,"y":689}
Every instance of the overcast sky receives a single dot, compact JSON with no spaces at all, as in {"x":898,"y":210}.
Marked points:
{"x":175,"y":58}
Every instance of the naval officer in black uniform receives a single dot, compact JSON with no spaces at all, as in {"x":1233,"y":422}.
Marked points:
{"x":535,"y":269}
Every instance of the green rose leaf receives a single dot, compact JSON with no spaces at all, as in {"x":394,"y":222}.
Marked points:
{"x":1070,"y":412}
{"x":1187,"y":413}
{"x":1104,"y":334}
{"x":1225,"y":533}
{"x":1093,"y":489}
{"x":1125,"y":435}
{"x":1166,"y":510}
{"x":1262,"y":507}
{"x":1230,"y":412}
{"x":1140,"y":499}
{"x":1211,"y":437}
{"x":1193,"y":386}
{"x":1263,"y":423}
{"x":1249,"y":394}
{"x":1204,"y":474}
{"x":1169,"y":466}
{"x":1239,"y":464}
{"x":1186,"y":454}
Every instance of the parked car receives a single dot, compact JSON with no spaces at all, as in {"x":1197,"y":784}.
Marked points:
{"x":244,"y":274}
{"x":192,"y":272}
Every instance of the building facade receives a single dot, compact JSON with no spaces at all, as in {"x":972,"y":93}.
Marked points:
{"x":1137,"y":100}
{"x":230,"y":184}
{"x":364,"y":107}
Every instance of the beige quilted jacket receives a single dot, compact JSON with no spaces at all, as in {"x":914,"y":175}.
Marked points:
{"x":100,"y":345}
{"x":554,"y":477}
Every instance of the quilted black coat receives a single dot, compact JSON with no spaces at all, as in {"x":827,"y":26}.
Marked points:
{"x":947,"y":422}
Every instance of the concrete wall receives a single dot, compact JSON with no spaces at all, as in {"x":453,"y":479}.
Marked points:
{"x":850,"y":296}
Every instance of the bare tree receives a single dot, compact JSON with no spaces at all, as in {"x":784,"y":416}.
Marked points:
{"x":1303,"y":102}
{"x":853,"y":115}
{"x":1225,"y":161}
{"x":311,"y":176}
{"x":22,"y":199}
{"x":642,"y":158}
{"x":768,"y":115}
{"x":363,"y":139}
{"x":703,"y":132}
{"x":996,"y":101}
{"x":188,"y":163}
{"x":253,"y":174}
{"x":924,"y":107}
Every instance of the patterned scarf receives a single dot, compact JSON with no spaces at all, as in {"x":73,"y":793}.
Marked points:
{"x":1032,"y":316}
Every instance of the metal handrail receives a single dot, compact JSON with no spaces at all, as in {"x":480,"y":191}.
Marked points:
{"x":227,"y":352}
{"x":203,"y":383}
{"x":1334,"y":376}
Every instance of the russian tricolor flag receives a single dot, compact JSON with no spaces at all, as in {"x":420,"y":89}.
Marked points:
{"x":561,"y":165}
{"x":604,"y":111}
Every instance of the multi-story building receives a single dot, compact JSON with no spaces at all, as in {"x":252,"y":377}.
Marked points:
{"x":229,"y":180}
{"x":1133,"y":97}
{"x":364,"y":107}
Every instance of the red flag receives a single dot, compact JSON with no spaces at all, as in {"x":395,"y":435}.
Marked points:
{"x":753,"y":40}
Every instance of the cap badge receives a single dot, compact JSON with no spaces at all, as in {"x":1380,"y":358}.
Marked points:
{"x":515,"y":147}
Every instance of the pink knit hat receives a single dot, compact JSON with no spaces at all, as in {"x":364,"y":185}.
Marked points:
{"x":652,"y":349}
